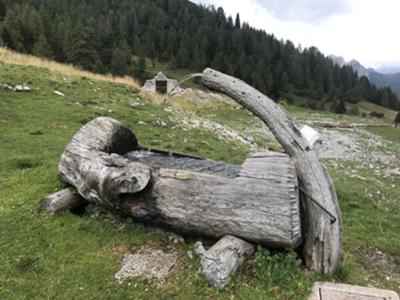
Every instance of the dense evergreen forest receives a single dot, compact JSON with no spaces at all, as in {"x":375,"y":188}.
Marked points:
{"x":117,"y":35}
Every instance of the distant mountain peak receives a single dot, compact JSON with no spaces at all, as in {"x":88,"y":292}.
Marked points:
{"x":360,"y":69}
{"x":379,"y":78}
{"x":355,"y":64}
{"x":338,"y":60}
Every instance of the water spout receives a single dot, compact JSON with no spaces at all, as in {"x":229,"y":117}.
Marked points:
{"x":182,"y":81}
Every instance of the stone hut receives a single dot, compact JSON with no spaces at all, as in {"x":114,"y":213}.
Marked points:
{"x":161,"y":84}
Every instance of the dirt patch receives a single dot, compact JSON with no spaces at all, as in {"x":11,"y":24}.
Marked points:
{"x":383,"y":263}
{"x":151,"y":264}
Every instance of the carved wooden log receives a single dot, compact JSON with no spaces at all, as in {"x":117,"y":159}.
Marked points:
{"x":92,"y":163}
{"x":257,"y":201}
{"x":322,"y":218}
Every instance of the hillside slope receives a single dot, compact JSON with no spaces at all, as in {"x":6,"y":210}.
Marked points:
{"x":392,"y":80}
{"x":102,"y":36}
{"x":75,"y":256}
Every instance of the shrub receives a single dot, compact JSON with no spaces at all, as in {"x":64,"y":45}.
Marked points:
{"x":377,"y":115}
{"x":354,"y":111}
{"x":397,"y":119}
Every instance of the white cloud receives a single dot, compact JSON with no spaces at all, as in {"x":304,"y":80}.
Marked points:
{"x":305,"y":10}
{"x":362,"y":29}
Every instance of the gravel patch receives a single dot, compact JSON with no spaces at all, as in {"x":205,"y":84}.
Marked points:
{"x":354,"y":144}
{"x":152,"y":264}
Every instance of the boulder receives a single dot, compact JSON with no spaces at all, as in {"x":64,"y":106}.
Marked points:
{"x":223,"y":259}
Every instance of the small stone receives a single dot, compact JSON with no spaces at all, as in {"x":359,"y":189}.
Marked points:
{"x":199,"y":248}
{"x":59,"y":93}
{"x":22,"y":88}
{"x":141,"y":123}
{"x":190,"y":254}
{"x":134,"y":104}
{"x":160,"y":123}
{"x":6,"y":87}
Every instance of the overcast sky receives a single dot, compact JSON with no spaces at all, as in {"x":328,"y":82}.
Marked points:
{"x":367,"y":30}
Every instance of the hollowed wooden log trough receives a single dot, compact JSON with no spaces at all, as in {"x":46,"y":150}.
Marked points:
{"x":257,"y":201}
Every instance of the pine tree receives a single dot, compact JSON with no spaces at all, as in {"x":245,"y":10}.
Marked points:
{"x":7,"y":38}
{"x":102,"y":35}
{"x":397,"y":119}
{"x":3,"y":10}
{"x":238,"y":24}
{"x":140,"y":69}
{"x":341,"y":107}
{"x":182,"y":58}
{"x":385,"y":97}
{"x":118,"y":64}
{"x":42,"y":47}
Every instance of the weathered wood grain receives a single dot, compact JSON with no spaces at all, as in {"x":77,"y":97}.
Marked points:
{"x":256,"y":206}
{"x":322,"y":218}
{"x":61,"y":201}
{"x":93,"y":164}
{"x":223,"y":259}
{"x":259,"y":203}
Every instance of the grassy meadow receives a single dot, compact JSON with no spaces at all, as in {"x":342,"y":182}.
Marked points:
{"x":71,"y":256}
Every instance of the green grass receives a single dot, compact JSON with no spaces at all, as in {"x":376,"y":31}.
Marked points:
{"x":72,"y":257}
{"x":67,"y":256}
{"x":389,"y":133}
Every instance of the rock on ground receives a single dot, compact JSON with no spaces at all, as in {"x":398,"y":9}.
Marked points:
{"x":392,"y":172}
{"x":152,"y":264}
{"x":16,"y":88}
{"x":224,"y":258}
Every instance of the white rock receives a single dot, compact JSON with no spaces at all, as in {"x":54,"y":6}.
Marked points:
{"x":22,"y":88}
{"x":224,"y":258}
{"x":59,"y":93}
{"x":199,"y":248}
{"x":134,"y":104}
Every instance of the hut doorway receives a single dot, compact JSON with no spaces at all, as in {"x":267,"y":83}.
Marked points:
{"x":161,"y":86}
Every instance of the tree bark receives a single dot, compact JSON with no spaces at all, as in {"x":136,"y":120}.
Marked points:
{"x":223,"y":259}
{"x":322,"y":217}
{"x":258,"y":201}
{"x":61,"y":201}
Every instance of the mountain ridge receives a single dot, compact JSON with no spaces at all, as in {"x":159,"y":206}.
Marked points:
{"x":378,"y":78}
{"x":118,"y":36}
